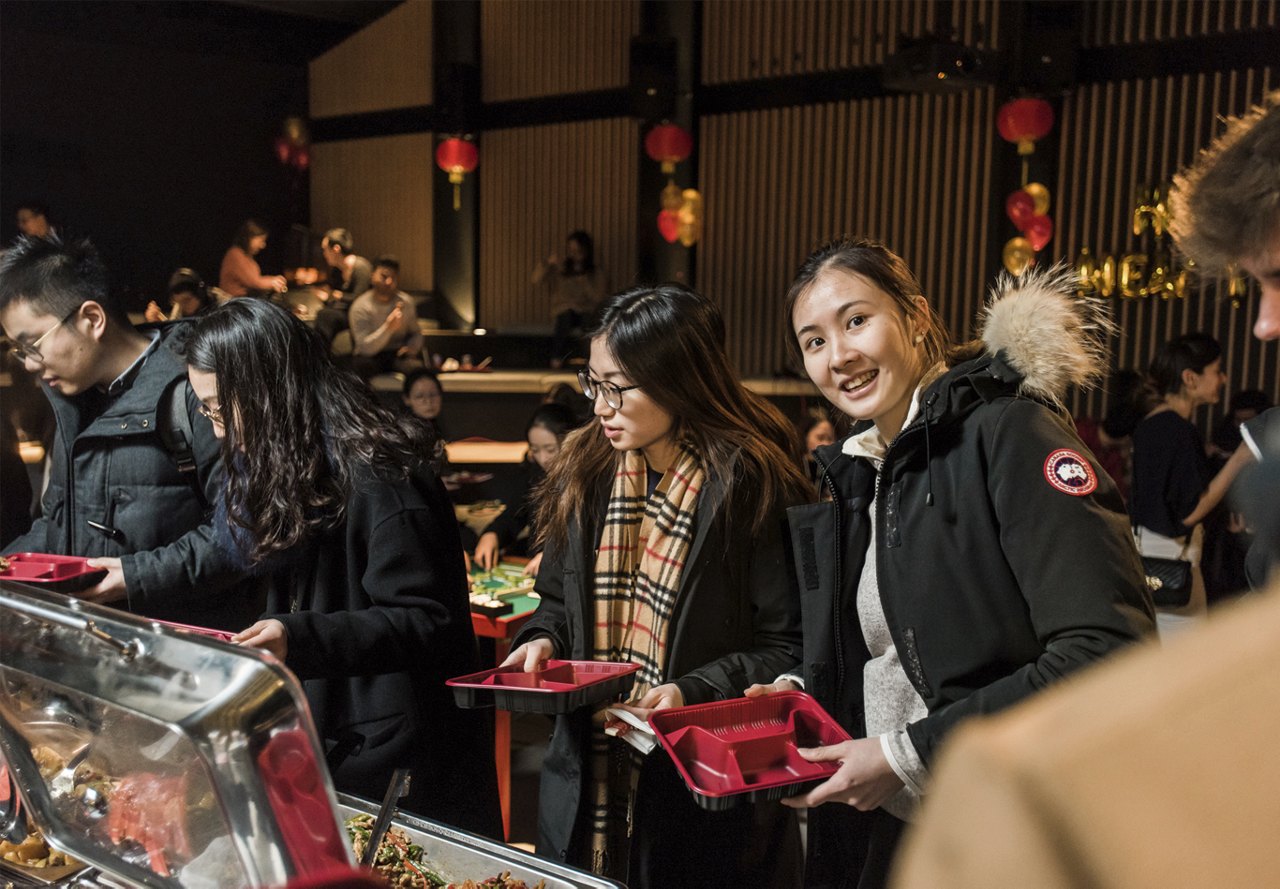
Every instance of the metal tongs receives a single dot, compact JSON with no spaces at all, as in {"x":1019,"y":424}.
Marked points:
{"x":398,"y":787}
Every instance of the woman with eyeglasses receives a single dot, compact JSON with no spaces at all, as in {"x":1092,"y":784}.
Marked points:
{"x":328,"y":500}
{"x":663,"y":547}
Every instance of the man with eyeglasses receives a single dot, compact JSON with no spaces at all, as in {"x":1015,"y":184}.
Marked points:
{"x":131,"y":479}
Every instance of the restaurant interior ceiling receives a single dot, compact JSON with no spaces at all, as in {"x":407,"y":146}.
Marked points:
{"x":291,"y":32}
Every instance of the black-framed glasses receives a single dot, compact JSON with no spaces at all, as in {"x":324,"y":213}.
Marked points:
{"x":24,"y":351}
{"x":212,"y":414}
{"x":612,"y":392}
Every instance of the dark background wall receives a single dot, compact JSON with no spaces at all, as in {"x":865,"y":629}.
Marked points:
{"x":149,"y":127}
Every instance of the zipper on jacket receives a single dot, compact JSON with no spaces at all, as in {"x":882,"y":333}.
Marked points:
{"x":835,"y":597}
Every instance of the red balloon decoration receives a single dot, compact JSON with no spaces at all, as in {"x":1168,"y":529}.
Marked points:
{"x":457,"y":157}
{"x":669,"y":225}
{"x":668,"y":144}
{"x":302,"y":158}
{"x":284,"y":150}
{"x":1020,"y":206}
{"x":1024,"y":121}
{"x":1039,"y":231}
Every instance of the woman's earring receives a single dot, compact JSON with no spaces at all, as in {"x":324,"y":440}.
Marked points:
{"x":919,"y":338}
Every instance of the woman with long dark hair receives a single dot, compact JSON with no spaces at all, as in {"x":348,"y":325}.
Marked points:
{"x":968,"y":550}
{"x":663,"y":528}
{"x":1171,"y":471}
{"x":329,"y":500}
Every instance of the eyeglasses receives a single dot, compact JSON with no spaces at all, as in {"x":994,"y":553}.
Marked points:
{"x":212,"y":414}
{"x":23,"y":351}
{"x":612,"y":392}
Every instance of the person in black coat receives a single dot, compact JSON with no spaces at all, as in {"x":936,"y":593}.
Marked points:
{"x":327,"y":499}
{"x":664,"y":548}
{"x":968,"y":550}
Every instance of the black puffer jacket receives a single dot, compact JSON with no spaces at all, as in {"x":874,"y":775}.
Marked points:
{"x":118,"y":472}
{"x":1004,"y":555}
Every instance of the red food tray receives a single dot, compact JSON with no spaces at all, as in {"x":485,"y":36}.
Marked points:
{"x":559,"y":687}
{"x":61,"y":574}
{"x":220,"y":635}
{"x":745,"y":749}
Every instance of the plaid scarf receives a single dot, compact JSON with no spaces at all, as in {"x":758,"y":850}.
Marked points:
{"x":643,"y":546}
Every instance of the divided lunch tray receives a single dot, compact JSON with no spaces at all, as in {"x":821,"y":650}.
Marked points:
{"x":559,"y":687}
{"x":59,"y":574}
{"x":745,"y":749}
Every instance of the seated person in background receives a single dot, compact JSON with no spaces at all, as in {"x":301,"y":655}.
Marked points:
{"x":329,"y":500}
{"x":15,"y":506}
{"x":545,"y":433}
{"x":384,"y":325}
{"x":816,"y":430}
{"x":240,"y":274}
{"x":424,"y":398}
{"x":188,"y":297}
{"x":135,"y":500}
{"x":349,"y":276}
{"x":33,"y":220}
{"x":577,"y":286}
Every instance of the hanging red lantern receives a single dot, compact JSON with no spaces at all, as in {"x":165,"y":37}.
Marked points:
{"x":668,"y":144}
{"x":1024,"y":121}
{"x":1039,"y":231}
{"x":457,"y":157}
{"x":301,"y":159}
{"x":1020,"y":206}
{"x":669,"y":225}
{"x":284,"y":150}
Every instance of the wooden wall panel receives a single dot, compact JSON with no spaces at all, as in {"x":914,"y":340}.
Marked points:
{"x":384,"y":65}
{"x":1121,"y":22}
{"x":1116,"y":136}
{"x":539,"y":184}
{"x":547,"y":47}
{"x":747,"y":39}
{"x":380,"y":189}
{"x":912,"y":171}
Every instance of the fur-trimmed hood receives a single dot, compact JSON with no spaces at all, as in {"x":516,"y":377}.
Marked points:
{"x":1050,"y":335}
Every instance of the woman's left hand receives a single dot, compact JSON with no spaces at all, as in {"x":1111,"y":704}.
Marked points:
{"x":864,"y":780}
{"x":660,"y":697}
{"x":111,"y":588}
{"x":531,"y":570}
{"x":269,"y":635}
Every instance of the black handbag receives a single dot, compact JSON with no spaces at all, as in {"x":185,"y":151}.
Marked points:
{"x":1169,"y":581}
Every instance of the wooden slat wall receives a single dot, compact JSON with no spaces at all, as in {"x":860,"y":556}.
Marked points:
{"x":380,"y":189}
{"x":746,"y":39}
{"x":548,"y":47}
{"x":1112,"y":23}
{"x":539,"y":184}
{"x":1116,"y":136}
{"x":384,"y":65}
{"x":912,"y":171}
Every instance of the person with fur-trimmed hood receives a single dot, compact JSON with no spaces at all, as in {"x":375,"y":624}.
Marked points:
{"x":969,"y":550}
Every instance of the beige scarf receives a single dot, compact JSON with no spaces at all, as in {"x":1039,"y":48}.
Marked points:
{"x":643,"y":546}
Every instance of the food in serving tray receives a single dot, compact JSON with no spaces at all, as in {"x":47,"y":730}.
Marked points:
{"x":402,"y":862}
{"x":34,"y":852}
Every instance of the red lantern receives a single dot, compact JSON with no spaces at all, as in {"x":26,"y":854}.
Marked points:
{"x":457,"y":157}
{"x":1039,"y":231}
{"x":1020,"y":206}
{"x":301,"y":159}
{"x":668,"y":144}
{"x":1024,"y":121}
{"x":284,"y":149}
{"x":669,"y":225}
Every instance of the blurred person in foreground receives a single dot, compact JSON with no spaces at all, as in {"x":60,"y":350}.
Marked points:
{"x":1160,"y":769}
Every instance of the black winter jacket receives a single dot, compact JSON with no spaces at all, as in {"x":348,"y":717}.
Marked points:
{"x":377,"y":617}
{"x":118,"y":472}
{"x":1003,"y":563}
{"x":736,"y":622}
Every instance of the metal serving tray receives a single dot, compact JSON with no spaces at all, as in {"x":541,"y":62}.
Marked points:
{"x":458,"y":855}
{"x":159,"y":757}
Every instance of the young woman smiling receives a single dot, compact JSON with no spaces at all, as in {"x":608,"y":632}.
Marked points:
{"x":969,"y":551}
{"x":664,"y":547}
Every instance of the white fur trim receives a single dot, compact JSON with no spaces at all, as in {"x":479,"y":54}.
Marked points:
{"x":1053,"y":336}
